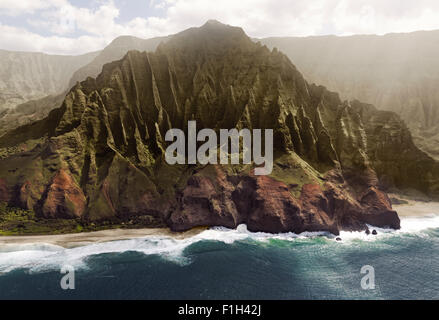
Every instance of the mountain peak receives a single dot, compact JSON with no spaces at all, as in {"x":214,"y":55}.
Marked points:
{"x":212,"y":34}
{"x":215,"y":25}
{"x":214,"y":22}
{"x":124,"y":41}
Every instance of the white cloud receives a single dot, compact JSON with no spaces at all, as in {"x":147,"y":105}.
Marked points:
{"x":16,"y":7}
{"x":262,"y":18}
{"x":380,"y":17}
{"x":22,"y":40}
{"x":259,"y":18}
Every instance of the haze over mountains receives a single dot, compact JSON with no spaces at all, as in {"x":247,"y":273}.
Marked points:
{"x":396,"y":72}
{"x":99,"y":158}
{"x":32,"y":84}
{"x":28,"y":76}
{"x":114,"y":51}
{"x":35,"y":84}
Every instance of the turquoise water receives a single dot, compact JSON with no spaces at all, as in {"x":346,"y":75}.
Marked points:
{"x":233,"y":264}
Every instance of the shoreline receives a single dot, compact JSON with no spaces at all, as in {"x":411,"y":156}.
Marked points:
{"x":71,"y":240}
{"x":410,"y":209}
{"x":414,"y":208}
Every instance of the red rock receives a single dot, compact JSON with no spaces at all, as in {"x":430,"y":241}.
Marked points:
{"x":378,"y":209}
{"x":274,"y":209}
{"x":106,"y":193}
{"x":267,"y":205}
{"x":64,"y":198}
{"x":313,"y":202}
{"x":202,"y":203}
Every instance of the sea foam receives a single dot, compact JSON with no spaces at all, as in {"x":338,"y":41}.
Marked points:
{"x":46,"y":257}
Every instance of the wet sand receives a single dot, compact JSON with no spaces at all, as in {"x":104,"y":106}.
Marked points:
{"x":80,"y":239}
{"x":416,"y":209}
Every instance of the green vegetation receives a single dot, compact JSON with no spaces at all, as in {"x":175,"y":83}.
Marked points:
{"x":100,"y":155}
{"x":17,"y":221}
{"x":295,"y":173}
{"x":6,"y":151}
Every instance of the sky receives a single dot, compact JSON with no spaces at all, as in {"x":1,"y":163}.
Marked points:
{"x":80,"y":26}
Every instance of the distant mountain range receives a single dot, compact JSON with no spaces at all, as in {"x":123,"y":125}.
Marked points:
{"x":32,"y":84}
{"x":28,"y":76}
{"x":35,"y":83}
{"x":396,"y":72}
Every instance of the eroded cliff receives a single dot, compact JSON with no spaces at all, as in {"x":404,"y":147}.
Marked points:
{"x":100,"y":156}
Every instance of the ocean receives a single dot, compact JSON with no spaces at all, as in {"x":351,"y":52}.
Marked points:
{"x":233,"y":264}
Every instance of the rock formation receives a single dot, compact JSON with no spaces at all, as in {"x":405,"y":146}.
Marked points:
{"x":100,"y":156}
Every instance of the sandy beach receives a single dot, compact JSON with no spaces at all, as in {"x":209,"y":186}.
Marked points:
{"x":417,"y":209}
{"x":414,"y":208}
{"x":411,"y":209}
{"x":80,"y":239}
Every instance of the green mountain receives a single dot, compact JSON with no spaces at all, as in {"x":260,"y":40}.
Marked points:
{"x":99,"y":158}
{"x":394,"y":72}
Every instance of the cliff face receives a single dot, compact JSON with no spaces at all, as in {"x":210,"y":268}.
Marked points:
{"x":395,"y":157}
{"x":100,"y":156}
{"x":394,"y":72}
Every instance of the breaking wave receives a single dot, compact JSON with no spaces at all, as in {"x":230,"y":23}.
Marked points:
{"x":47,"y":257}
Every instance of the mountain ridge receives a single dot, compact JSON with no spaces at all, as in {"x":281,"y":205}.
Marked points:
{"x":425,"y":136}
{"x":26,"y":75}
{"x":395,"y":72}
{"x":36,"y":107}
{"x":99,"y":157}
{"x":114,"y":51}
